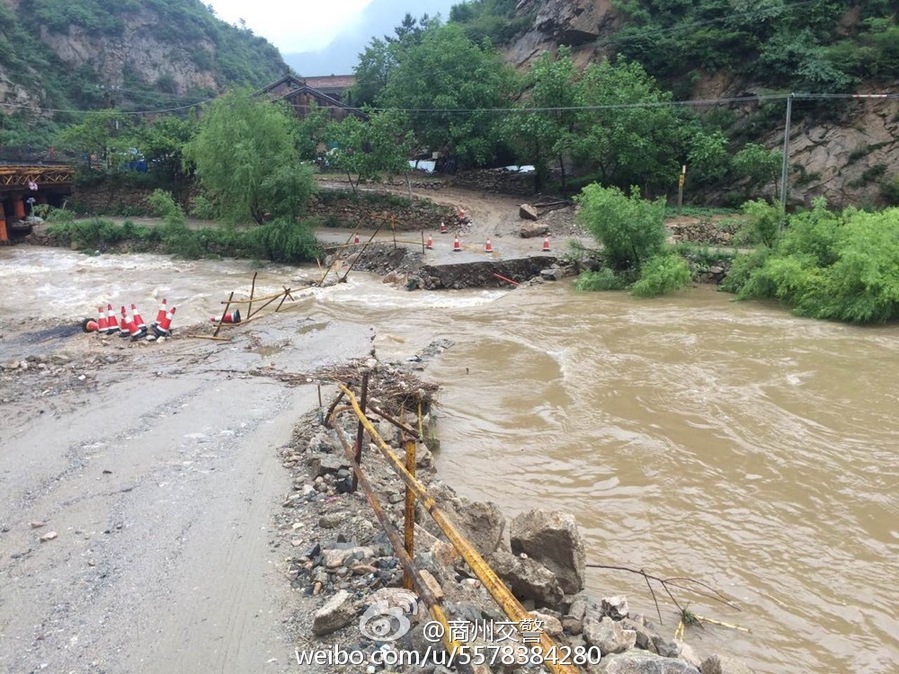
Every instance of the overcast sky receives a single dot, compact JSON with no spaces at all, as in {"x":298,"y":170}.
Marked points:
{"x":294,"y":25}
{"x":324,"y":37}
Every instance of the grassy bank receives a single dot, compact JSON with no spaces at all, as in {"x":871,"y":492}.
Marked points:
{"x":278,"y":241}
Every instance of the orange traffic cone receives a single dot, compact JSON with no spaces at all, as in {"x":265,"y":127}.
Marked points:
{"x":430,"y":244}
{"x":103,"y":322}
{"x":356,"y":239}
{"x":112,"y":324}
{"x":164,"y":327}
{"x":488,"y":247}
{"x":230,"y":317}
{"x":457,"y":247}
{"x":160,"y":315}
{"x":125,"y":324}
{"x":443,"y":228}
{"x":90,"y":325}
{"x":138,"y":322}
{"x":546,"y":245}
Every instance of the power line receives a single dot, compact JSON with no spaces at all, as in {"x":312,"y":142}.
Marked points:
{"x":703,"y":102}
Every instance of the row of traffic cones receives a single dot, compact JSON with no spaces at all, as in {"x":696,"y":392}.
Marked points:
{"x":488,"y":246}
{"x":131,"y":324}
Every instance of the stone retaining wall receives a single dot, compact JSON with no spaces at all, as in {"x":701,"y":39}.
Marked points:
{"x":340,"y":209}
{"x":336,"y":209}
{"x":499,"y":181}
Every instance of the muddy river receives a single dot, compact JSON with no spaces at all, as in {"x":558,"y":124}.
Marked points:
{"x":691,"y":436}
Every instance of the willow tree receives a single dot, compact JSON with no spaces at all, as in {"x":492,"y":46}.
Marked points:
{"x":245,"y":157}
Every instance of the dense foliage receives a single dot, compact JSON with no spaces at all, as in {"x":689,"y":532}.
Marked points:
{"x":808,"y":46}
{"x":841,"y":266}
{"x":633,"y":237}
{"x":246,"y":160}
{"x":368,"y":149}
{"x":493,"y":20}
{"x":449,"y":86}
{"x":279,"y":241}
{"x":630,"y":229}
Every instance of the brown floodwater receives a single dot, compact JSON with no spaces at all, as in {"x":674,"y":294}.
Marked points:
{"x":691,"y":435}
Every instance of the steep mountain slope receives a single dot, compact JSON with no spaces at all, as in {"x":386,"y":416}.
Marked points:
{"x":842,"y":148}
{"x":88,"y":54}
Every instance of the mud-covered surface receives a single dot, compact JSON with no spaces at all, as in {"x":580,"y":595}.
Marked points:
{"x":137,"y":482}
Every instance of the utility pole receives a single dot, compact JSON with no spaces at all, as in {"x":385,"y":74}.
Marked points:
{"x":785,"y":167}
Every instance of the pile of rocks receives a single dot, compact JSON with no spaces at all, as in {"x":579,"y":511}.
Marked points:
{"x":47,"y":376}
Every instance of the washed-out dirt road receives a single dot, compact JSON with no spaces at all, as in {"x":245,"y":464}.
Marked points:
{"x":156,"y":468}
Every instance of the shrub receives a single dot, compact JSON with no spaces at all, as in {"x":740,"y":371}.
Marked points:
{"x":166,"y":208}
{"x":662,"y":274}
{"x":287,"y":241}
{"x":835,"y":266}
{"x":889,"y":191}
{"x":763,"y":224}
{"x":604,"y":279}
{"x":630,"y":229}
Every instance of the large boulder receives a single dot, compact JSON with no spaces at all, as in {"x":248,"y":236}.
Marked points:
{"x":482,"y":522}
{"x":527,"y":212}
{"x":552,"y":538}
{"x":527,"y":579}
{"x":641,"y":662}
{"x":531,"y":230}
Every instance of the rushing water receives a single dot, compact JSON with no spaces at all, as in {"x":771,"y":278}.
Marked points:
{"x":691,"y":436}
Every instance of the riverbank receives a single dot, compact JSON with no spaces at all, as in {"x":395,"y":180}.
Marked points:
{"x":348,"y":578}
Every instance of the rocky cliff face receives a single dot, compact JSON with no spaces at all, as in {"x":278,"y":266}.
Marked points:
{"x":135,"y":50}
{"x":154,"y":51}
{"x":577,"y":23}
{"x":844,"y":162}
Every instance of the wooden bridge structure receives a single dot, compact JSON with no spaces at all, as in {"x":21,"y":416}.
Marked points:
{"x":22,"y":183}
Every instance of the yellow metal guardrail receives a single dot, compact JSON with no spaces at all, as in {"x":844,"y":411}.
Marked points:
{"x":497,"y":589}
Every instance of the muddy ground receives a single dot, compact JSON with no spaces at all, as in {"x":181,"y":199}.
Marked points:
{"x":138,"y":487}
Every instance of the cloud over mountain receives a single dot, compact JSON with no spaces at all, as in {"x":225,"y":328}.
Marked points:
{"x":377,"y":20}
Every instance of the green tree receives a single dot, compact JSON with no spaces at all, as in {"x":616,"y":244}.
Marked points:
{"x":246,"y":158}
{"x":382,"y":56}
{"x":370,"y":148}
{"x":162,"y":142}
{"x":543,"y":129}
{"x":448,"y":85}
{"x":311,"y":131}
{"x":627,"y":132}
{"x":103,"y":139}
{"x":707,"y":158}
{"x":630,"y":229}
{"x":758,"y":165}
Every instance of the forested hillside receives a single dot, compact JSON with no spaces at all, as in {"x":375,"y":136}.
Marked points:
{"x":734,"y":62}
{"x":73,"y":55}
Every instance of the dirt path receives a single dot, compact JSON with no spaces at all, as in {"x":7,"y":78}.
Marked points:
{"x":158,"y":471}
